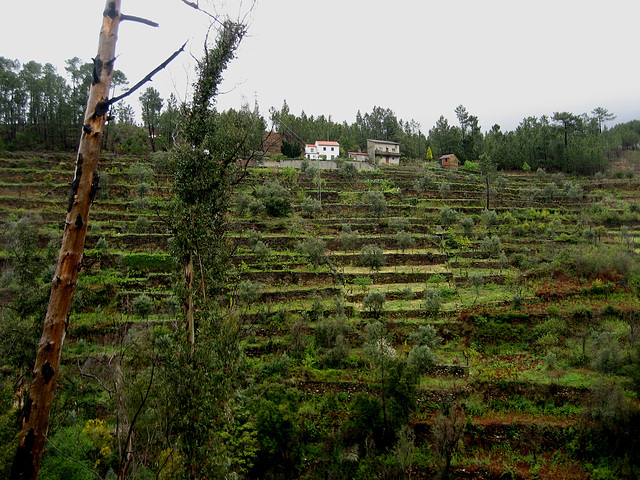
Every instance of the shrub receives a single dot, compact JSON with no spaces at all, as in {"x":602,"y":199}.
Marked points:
{"x":310,"y":206}
{"x":491,"y":245}
{"x":398,"y":223}
{"x":448,"y":216}
{"x":421,"y":358}
{"x":101,"y":247}
{"x":142,"y":306}
{"x":348,"y":170}
{"x":467,"y":226}
{"x":275,"y":198}
{"x":141,"y":225}
{"x":432,"y":302}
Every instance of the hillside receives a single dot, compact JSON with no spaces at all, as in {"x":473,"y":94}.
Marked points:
{"x":522,"y":321}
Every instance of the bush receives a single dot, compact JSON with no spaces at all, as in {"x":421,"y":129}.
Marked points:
{"x":141,"y":225}
{"x":491,"y":245}
{"x":275,"y":198}
{"x":348,"y":170}
{"x":142,"y":306}
{"x":421,"y":358}
{"x":448,"y":216}
{"x":311,"y":206}
{"x":432,"y":302}
{"x":375,"y":301}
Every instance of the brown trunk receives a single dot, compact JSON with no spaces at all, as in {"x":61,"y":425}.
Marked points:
{"x":83,"y":189}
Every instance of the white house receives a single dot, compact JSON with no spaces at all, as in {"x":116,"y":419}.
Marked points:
{"x":322,"y":150}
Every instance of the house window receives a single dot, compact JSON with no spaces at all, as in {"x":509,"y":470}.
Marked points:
{"x":324,"y":149}
{"x":332,"y":149}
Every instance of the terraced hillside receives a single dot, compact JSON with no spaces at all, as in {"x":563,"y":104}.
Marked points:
{"x":520,"y":319}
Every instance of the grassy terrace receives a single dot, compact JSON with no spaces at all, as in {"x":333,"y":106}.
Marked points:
{"x":535,"y":306}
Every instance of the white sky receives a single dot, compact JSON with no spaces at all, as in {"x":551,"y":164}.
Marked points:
{"x":502,"y":59}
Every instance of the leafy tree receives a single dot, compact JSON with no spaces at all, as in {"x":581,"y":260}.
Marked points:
{"x":261,"y":251}
{"x":275,"y":197}
{"x":432,"y":302}
{"x":476,"y":280}
{"x":348,"y":238}
{"x":291,"y":149}
{"x":398,"y":223}
{"x":444,"y":188}
{"x":310,"y":206}
{"x":467,"y":225}
{"x":448,"y":431}
{"x":448,"y":216}
{"x":404,"y":240}
{"x":375,"y":301}
{"x":489,"y":217}
{"x":488,"y":169}
{"x":491,"y":245}
{"x":314,"y":249}
{"x":372,"y":256}
{"x":377,"y":202}
{"x":348,"y":170}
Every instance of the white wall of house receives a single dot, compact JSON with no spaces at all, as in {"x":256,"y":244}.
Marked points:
{"x":328,"y":150}
{"x":311,"y":152}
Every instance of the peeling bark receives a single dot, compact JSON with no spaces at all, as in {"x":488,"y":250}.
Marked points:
{"x":33,"y":437}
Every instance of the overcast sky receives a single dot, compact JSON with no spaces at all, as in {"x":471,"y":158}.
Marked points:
{"x":502,"y":59}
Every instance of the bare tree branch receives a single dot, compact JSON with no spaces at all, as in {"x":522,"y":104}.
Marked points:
{"x":132,"y":18}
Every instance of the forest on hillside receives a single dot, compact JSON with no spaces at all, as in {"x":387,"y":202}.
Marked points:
{"x":41,"y":110}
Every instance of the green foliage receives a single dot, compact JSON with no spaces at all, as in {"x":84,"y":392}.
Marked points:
{"x":432,"y":302}
{"x":404,"y":240}
{"x":314,"y":249}
{"x":142,"y":306}
{"x":448,"y":216}
{"x":375,"y":301}
{"x":526,"y":167}
{"x":275,"y":197}
{"x":291,"y":149}
{"x":467,"y":225}
{"x":248,"y":292}
{"x":146,"y":262}
{"x":348,"y":238}
{"x":491,"y":245}
{"x":398,"y":223}
{"x":141,"y":172}
{"x":377,"y":202}
{"x":372,"y":256}
{"x":348,"y":170}
{"x":310,"y":207}
{"x":141,"y":225}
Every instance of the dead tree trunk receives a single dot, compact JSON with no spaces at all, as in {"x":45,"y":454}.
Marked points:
{"x":83,"y":190}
